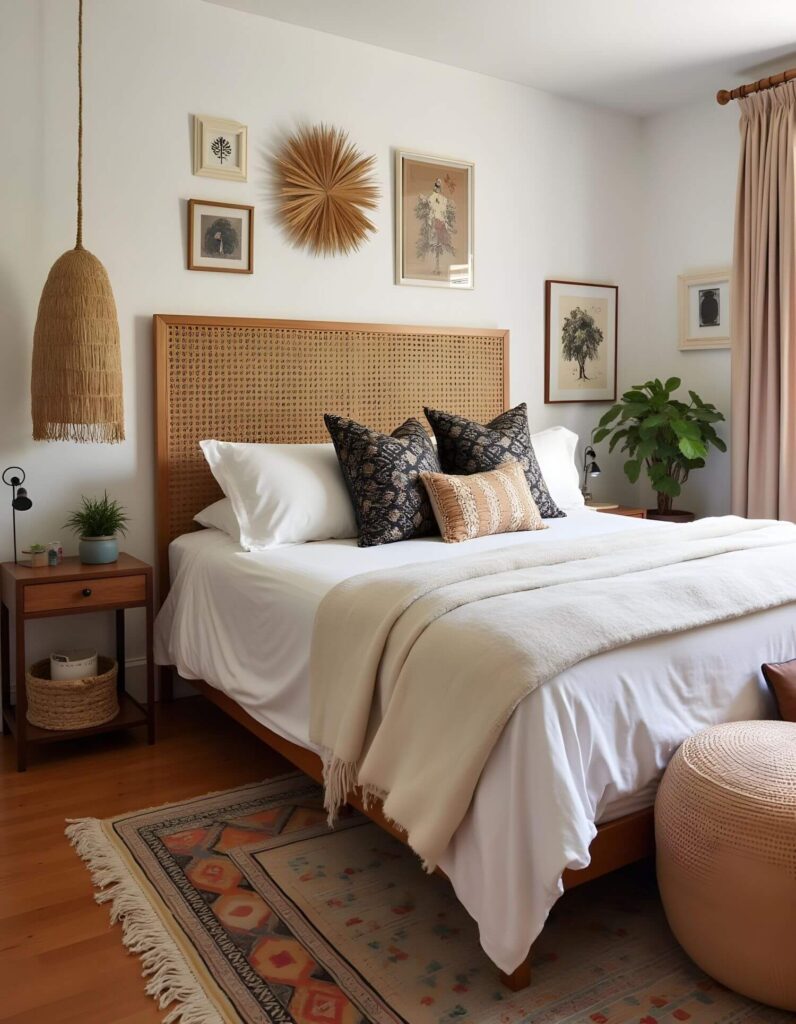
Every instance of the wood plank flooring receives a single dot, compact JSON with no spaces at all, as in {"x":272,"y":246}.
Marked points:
{"x":60,"y":960}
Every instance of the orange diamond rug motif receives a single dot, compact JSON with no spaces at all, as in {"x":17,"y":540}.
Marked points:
{"x":245,"y":907}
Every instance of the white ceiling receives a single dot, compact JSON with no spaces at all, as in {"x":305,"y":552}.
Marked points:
{"x":634,"y":55}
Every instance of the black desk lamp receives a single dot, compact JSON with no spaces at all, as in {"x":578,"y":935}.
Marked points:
{"x":590,"y":468}
{"x":20,"y":502}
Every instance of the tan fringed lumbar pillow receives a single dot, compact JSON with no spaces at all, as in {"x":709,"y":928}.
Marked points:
{"x":481,"y":504}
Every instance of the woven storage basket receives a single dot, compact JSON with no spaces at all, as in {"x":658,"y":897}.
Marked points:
{"x":71,"y":703}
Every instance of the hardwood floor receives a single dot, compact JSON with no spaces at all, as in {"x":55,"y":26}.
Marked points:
{"x":60,"y":959}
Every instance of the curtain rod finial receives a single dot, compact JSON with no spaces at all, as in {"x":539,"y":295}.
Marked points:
{"x":723,"y":97}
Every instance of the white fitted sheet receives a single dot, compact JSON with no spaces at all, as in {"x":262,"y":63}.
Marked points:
{"x":588,"y":746}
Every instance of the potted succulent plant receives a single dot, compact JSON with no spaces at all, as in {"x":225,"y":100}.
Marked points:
{"x":667,"y":437}
{"x":38,"y":555}
{"x":97,"y":523}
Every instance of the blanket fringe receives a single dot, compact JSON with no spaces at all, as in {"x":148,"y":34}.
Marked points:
{"x":170,"y":979}
{"x":339,"y":779}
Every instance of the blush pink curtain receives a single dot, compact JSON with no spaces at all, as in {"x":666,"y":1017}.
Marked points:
{"x":764,"y":310}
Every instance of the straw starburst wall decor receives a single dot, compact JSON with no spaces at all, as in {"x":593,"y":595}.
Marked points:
{"x":324,"y":185}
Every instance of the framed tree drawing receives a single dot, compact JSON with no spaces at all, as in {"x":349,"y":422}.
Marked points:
{"x":580,"y":341}
{"x":433,"y":221}
{"x":219,"y":148}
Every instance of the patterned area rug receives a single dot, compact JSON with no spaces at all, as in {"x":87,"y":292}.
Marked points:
{"x":244,"y":907}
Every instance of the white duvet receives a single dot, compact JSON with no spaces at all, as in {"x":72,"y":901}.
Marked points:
{"x":588,"y":746}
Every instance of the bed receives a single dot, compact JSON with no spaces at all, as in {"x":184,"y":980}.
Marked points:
{"x":568,"y":788}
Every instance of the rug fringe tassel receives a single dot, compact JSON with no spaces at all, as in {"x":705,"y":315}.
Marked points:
{"x":170,"y":979}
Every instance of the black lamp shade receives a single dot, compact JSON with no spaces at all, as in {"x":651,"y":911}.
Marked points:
{"x":22,"y":502}
{"x":595,"y":469}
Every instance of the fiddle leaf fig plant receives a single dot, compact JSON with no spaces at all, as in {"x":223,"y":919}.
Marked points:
{"x":666,"y":436}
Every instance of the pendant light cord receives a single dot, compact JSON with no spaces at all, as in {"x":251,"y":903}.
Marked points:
{"x":79,"y":238}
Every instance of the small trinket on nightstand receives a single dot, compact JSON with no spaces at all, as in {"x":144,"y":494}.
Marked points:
{"x":55,"y":553}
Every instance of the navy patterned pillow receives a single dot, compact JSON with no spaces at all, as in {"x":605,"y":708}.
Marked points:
{"x":468,"y":447}
{"x":382,"y":473}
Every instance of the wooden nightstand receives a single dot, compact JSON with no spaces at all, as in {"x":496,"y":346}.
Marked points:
{"x":69,"y":589}
{"x":625,"y":510}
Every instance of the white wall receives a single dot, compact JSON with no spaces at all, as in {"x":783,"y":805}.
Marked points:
{"x":557,"y":195}
{"x":690,"y":160}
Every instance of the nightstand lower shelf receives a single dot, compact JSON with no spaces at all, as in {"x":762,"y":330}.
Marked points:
{"x":131,"y":714}
{"x":72,"y":588}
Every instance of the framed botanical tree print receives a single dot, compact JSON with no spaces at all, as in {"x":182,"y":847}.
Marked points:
{"x":433,"y":221}
{"x":219,"y":148}
{"x":580,"y":341}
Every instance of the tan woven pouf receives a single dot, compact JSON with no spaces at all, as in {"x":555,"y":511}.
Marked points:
{"x":725,"y":828}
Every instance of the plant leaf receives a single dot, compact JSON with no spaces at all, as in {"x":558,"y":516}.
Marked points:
{"x":693,"y":449}
{"x":667,"y":486}
{"x":683,"y":428}
{"x":632,"y":470}
{"x":609,"y":416}
{"x":658,"y":419}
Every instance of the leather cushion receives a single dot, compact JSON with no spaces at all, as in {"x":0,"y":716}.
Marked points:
{"x":781,"y":678}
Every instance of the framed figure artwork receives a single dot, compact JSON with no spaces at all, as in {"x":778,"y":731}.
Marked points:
{"x":433,"y":221}
{"x":220,"y":237}
{"x":704,"y":308}
{"x":580,"y":341}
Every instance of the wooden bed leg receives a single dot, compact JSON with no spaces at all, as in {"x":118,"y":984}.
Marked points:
{"x":519,"y":978}
{"x":166,"y":683}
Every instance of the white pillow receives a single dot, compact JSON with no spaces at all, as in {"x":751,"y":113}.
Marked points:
{"x":220,"y":516}
{"x":282,"y":493}
{"x":555,"y":452}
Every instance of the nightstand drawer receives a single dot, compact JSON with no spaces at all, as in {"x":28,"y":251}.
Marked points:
{"x":86,"y":594}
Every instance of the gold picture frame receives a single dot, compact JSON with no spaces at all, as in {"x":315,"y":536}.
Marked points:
{"x":219,"y":148}
{"x":703,"y":302}
{"x":434,"y":219}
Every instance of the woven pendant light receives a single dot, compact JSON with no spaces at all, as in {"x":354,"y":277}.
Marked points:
{"x":76,"y":382}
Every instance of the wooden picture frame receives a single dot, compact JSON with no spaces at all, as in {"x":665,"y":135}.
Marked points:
{"x":217,"y":140}
{"x":703,"y":308}
{"x":565,"y":378}
{"x":444,"y":252}
{"x":210,"y":225}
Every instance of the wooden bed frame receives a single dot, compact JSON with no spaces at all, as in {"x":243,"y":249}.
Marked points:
{"x":242,"y":379}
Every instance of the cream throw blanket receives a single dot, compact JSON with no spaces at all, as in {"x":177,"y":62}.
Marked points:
{"x":415,"y":671}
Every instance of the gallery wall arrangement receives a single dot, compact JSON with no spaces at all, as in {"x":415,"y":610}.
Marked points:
{"x":325,"y":188}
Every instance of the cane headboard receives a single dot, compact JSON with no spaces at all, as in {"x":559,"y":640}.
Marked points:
{"x":272,"y":380}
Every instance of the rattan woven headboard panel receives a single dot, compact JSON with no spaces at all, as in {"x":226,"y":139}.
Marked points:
{"x":272,"y":380}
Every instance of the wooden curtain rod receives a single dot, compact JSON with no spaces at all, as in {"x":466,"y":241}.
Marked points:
{"x":723,"y":96}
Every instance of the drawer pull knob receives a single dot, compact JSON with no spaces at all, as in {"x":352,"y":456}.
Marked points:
{"x":86,"y":591}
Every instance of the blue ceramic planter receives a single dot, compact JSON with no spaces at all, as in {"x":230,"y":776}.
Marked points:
{"x":98,"y":550}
